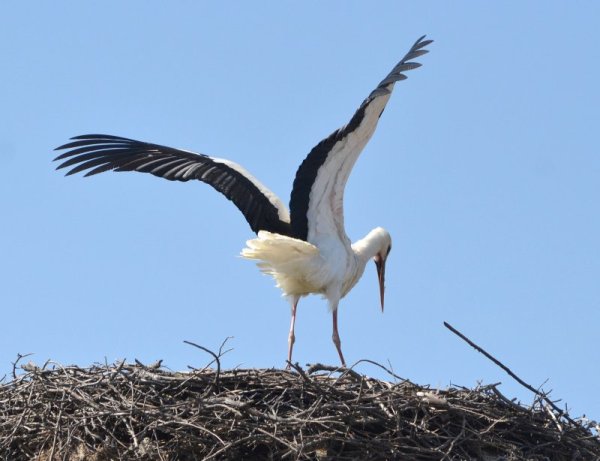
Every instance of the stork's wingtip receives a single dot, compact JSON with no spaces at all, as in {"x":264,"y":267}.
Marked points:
{"x":67,"y":145}
{"x":61,"y":156}
{"x":421,"y":42}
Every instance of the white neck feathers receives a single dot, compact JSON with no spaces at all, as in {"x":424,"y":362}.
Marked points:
{"x":376,"y":241}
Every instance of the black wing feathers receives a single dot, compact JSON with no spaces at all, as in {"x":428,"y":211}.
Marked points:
{"x":97,"y":153}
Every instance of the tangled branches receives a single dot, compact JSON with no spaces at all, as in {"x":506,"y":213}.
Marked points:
{"x":134,"y":412}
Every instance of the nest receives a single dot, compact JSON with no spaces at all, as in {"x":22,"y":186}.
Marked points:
{"x":135,"y":412}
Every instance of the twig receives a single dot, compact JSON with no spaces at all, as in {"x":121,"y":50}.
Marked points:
{"x":505,"y":399}
{"x":510,"y":373}
{"x":216,"y":381}
{"x":389,"y":371}
{"x":221,"y":352}
{"x":296,"y":366}
{"x":342,"y":370}
{"x":553,"y":416}
{"x":16,"y":362}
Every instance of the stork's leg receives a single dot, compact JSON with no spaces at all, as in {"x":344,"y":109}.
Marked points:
{"x":336,"y":337}
{"x":292,"y":337}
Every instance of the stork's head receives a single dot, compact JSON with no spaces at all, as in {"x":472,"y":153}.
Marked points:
{"x":380,"y":258}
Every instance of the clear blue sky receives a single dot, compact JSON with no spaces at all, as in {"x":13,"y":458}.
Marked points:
{"x":485,"y":168}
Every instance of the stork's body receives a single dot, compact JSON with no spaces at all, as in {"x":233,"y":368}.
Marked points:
{"x":330,"y":268}
{"x":306,"y":249}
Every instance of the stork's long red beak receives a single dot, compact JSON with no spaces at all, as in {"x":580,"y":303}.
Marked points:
{"x":380,"y":263}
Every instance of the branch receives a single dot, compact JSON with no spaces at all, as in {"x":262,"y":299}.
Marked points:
{"x":508,"y":370}
{"x":216,"y":382}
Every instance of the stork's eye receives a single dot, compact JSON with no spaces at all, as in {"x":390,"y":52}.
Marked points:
{"x":389,"y":249}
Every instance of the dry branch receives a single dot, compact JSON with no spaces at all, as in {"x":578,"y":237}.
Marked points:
{"x":542,"y":395}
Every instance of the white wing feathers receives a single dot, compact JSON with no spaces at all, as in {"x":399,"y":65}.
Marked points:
{"x":317,"y":202}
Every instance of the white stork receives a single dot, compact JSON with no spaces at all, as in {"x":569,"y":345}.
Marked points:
{"x":306,"y":250}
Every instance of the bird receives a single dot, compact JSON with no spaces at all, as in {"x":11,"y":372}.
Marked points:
{"x":305,"y":249}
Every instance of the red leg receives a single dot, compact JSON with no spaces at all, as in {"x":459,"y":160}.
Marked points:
{"x":292,"y":337}
{"x":336,"y":338}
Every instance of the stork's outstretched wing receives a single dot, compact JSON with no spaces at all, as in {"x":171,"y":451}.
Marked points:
{"x":96,"y":153}
{"x":316,"y":203}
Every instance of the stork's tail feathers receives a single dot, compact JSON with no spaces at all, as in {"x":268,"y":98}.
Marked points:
{"x":287,"y":260}
{"x":276,"y":250}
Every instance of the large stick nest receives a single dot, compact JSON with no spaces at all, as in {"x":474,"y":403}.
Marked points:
{"x":133,"y":412}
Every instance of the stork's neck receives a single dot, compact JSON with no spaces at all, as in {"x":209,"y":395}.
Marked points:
{"x":367,"y":247}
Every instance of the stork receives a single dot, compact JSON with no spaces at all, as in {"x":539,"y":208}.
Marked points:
{"x":305,"y":249}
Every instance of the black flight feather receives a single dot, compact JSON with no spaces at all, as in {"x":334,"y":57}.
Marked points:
{"x":97,"y":153}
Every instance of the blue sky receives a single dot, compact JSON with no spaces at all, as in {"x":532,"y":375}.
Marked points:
{"x":484,"y":168}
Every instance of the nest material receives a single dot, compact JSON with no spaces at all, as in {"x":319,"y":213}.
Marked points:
{"x":133,"y":412}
